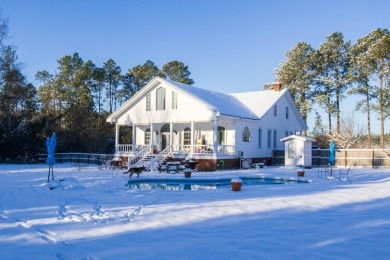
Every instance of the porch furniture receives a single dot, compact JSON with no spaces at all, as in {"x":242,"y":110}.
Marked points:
{"x":107,"y":165}
{"x":172,"y":168}
{"x":135,"y":169}
{"x":181,"y":168}
{"x":162,"y":168}
{"x":344,"y":173}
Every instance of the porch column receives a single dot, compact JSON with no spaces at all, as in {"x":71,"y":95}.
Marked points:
{"x":133,"y":142}
{"x":151,"y":136}
{"x":192,"y":137}
{"x":215,"y":136}
{"x":116,"y":136}
{"x":170,"y":133}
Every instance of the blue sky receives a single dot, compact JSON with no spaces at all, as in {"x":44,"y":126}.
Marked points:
{"x":229,"y":46}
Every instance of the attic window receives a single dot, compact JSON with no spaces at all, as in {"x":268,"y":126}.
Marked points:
{"x":160,"y":99}
{"x":287,"y":113}
{"x":246,"y":135}
{"x":275,"y":110}
{"x":174,"y":100}
{"x":148,"y":103}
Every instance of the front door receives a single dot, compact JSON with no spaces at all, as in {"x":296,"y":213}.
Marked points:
{"x":164,"y":140}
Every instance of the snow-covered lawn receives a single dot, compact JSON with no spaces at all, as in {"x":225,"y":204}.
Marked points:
{"x":93,"y":215}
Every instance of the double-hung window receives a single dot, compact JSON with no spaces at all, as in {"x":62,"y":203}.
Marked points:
{"x":148,"y":102}
{"x":160,"y":99}
{"x":174,"y":100}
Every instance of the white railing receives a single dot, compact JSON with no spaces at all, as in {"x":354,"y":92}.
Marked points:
{"x":203,"y":149}
{"x":140,"y":155}
{"x":163,"y":154}
{"x":128,"y":148}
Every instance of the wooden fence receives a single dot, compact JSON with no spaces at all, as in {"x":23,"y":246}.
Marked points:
{"x":344,"y":157}
{"x":84,"y":158}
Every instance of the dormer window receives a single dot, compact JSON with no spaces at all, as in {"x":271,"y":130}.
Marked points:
{"x":246,"y":135}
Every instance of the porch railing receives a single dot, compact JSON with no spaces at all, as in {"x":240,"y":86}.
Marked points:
{"x":128,"y":148}
{"x":203,"y":149}
{"x":147,"y":150}
{"x":182,"y":149}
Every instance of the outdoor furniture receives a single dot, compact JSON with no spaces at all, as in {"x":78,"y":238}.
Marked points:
{"x":344,"y":173}
{"x":135,"y":169}
{"x":162,"y":168}
{"x":181,"y":168}
{"x":172,"y":168}
{"x":324,"y":170}
{"x":107,"y":165}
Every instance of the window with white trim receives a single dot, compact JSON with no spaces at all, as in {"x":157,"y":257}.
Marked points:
{"x":269,"y":138}
{"x":260,"y":137}
{"x":148,"y":102}
{"x":174,"y":100}
{"x":246,"y":135}
{"x":187,"y":136}
{"x":147,"y":136}
{"x":160,"y":99}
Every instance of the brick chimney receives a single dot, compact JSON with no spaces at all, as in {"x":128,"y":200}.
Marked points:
{"x":277,"y":86}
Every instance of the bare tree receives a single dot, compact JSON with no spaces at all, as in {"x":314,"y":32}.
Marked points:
{"x":351,"y":133}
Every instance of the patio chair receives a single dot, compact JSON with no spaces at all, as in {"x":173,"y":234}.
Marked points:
{"x":344,"y":173}
{"x":325,"y":170}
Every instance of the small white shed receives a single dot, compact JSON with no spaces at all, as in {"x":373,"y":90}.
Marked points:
{"x":297,"y":150}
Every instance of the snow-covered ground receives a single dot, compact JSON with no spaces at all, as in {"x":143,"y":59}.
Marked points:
{"x":91,"y":214}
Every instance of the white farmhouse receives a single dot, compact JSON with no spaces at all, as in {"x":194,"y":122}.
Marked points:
{"x":167,"y":119}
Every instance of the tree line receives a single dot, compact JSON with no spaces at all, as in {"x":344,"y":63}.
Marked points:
{"x":325,"y":76}
{"x":75,"y":100}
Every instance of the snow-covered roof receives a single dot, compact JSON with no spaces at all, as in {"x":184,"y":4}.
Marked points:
{"x":299,"y":137}
{"x":259,"y":101}
{"x":225,"y":104}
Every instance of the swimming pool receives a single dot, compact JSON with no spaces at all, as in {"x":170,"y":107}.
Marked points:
{"x":205,"y":184}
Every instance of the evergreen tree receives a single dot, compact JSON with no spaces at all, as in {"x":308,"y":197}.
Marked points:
{"x":98,"y":88}
{"x":112,"y":79}
{"x":144,"y":73}
{"x":297,"y":73}
{"x":332,"y":66}
{"x":177,"y":71}
{"x":372,"y":60}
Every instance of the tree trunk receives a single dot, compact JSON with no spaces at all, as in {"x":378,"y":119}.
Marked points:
{"x":368,"y":121}
{"x":382,"y":112}
{"x":338,"y":128}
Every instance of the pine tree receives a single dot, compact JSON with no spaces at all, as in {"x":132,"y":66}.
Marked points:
{"x":144,"y":73}
{"x":372,"y":60}
{"x":332,"y":66}
{"x":177,"y":71}
{"x":112,"y":79}
{"x":296,"y":74}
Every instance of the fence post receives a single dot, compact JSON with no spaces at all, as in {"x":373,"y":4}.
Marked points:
{"x":373,"y":158}
{"x":345,"y":156}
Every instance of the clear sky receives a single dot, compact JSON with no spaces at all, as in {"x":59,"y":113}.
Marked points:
{"x":229,"y":46}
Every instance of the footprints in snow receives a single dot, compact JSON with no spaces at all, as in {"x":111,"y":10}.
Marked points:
{"x":98,"y":215}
